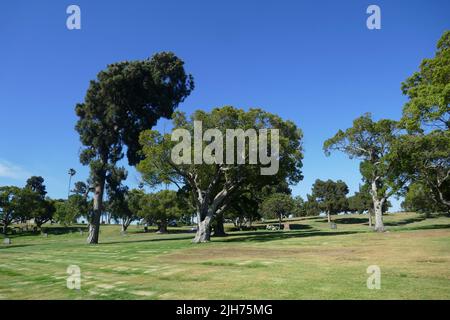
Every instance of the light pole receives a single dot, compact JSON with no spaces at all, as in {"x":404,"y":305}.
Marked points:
{"x":71,"y":172}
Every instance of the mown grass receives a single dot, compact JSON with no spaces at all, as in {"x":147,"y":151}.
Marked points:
{"x":309,"y":262}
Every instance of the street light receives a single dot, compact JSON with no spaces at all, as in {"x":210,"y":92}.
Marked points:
{"x":71,"y":172}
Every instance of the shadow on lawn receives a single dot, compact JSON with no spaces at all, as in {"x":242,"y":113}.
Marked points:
{"x":430,"y":227}
{"x":188,"y":236}
{"x":406,"y":221}
{"x":281,"y":235}
{"x":362,"y":220}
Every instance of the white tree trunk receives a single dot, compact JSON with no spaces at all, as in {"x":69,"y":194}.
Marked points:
{"x":378,"y":208}
{"x":203,"y":231}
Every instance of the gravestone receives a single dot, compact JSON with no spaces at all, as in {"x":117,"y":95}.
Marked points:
{"x":7,"y":241}
{"x":333,"y":225}
{"x":45,"y":235}
{"x":286,"y":227}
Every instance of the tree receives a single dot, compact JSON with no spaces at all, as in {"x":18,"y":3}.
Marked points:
{"x":277,"y":205}
{"x":425,"y":153}
{"x":425,"y":160}
{"x":43,"y":211}
{"x":36,"y":184}
{"x":125,"y":99}
{"x":428,"y":91}
{"x":299,"y":209}
{"x":38,"y":207}
{"x":331,"y":196}
{"x":212,"y":183}
{"x":244,"y":205}
{"x":371,"y":142}
{"x":311,"y":206}
{"x":243,"y":209}
{"x":125,"y":206}
{"x":362,"y":202}
{"x":417,"y":199}
{"x":10,"y":206}
{"x":160,"y":208}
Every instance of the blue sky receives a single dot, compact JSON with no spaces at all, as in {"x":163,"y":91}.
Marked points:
{"x":313,"y":62}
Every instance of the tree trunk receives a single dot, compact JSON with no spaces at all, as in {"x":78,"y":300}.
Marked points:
{"x":329,"y":217}
{"x":369,"y":212}
{"x":280,"y":219}
{"x":94,"y":224}
{"x":162,"y":227}
{"x":219,"y":230}
{"x":378,"y":208}
{"x":203,"y":230}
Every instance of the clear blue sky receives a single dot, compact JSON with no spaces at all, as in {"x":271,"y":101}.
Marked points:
{"x":313,"y":62}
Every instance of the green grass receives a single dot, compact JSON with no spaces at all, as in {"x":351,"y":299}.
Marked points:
{"x":310,"y":262}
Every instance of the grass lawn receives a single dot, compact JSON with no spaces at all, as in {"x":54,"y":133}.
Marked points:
{"x":309,"y":262}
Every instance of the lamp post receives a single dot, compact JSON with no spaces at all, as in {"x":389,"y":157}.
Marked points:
{"x":71,"y":172}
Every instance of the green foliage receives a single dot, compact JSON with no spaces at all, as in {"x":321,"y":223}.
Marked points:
{"x":417,"y":199}
{"x":212,"y":186}
{"x":277,"y":205}
{"x":299,"y":207}
{"x":157,"y":168}
{"x":311,"y":207}
{"x":125,"y":205}
{"x":68,"y":211}
{"x":428,"y":91}
{"x":36,"y":185}
{"x":11,"y":208}
{"x":160,"y":208}
{"x":330,"y":195}
{"x":425,"y":159}
{"x":361,"y":201}
{"x":36,"y":206}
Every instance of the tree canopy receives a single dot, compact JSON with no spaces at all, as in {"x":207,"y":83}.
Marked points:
{"x":428,"y":91}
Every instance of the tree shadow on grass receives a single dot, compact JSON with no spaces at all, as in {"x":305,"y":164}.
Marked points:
{"x":280,"y":235}
{"x":362,"y":220}
{"x":404,"y":222}
{"x":14,"y":246}
{"x":188,"y":236}
{"x":429,"y":227}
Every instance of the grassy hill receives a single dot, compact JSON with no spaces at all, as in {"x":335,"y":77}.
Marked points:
{"x":309,"y":262}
